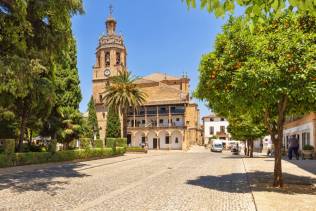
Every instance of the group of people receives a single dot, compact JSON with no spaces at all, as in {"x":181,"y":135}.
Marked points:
{"x":293,"y":147}
{"x":293,"y":144}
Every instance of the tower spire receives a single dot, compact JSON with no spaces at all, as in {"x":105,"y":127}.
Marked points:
{"x":111,"y":10}
{"x":110,"y":22}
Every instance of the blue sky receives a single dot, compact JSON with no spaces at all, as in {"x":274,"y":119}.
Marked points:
{"x":160,"y":36}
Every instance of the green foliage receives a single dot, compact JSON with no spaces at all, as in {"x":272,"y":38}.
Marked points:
{"x":245,"y":127}
{"x":308,"y":147}
{"x":9,"y":147}
{"x":8,"y":123}
{"x":92,"y":121}
{"x":123,"y":94}
{"x":35,"y":50}
{"x":70,"y":128}
{"x":110,"y":142}
{"x":254,"y":9}
{"x":266,"y":73}
{"x":121,"y":142}
{"x":69,"y":155}
{"x":136,"y":149}
{"x":52,"y":147}
{"x":213,"y":137}
{"x":116,"y":142}
{"x":85,"y":143}
{"x":113,"y":126}
{"x":98,"y":143}
{"x":4,"y":162}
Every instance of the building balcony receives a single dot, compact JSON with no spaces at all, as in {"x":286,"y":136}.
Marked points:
{"x":221,"y":134}
{"x":154,"y":113}
{"x":155,"y":125}
{"x":158,"y":110}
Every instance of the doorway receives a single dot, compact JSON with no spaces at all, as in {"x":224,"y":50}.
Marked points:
{"x":129,"y":139}
{"x":155,"y":143}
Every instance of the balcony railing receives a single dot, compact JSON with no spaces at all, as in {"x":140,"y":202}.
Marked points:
{"x":163,"y":110}
{"x":154,"y":124}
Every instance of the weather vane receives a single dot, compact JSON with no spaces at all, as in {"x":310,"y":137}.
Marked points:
{"x":111,"y":9}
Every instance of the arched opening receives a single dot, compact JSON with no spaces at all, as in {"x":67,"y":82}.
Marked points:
{"x":152,"y":140}
{"x":139,"y":139}
{"x":176,"y":140}
{"x":164,"y":139}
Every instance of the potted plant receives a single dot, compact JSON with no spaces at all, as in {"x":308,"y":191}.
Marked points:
{"x":307,"y":152}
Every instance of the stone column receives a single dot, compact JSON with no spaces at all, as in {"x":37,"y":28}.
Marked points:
{"x":145,"y":116}
{"x":134,"y":118}
{"x":157,"y":116}
{"x":169,"y":116}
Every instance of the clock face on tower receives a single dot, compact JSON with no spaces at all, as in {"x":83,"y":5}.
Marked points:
{"x":107,"y":72}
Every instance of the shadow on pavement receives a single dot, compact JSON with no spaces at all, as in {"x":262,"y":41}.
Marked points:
{"x":48,"y":180}
{"x":260,"y":181}
{"x":307,"y":165}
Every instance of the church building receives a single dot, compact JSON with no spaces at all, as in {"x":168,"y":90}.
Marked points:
{"x":168,"y":119}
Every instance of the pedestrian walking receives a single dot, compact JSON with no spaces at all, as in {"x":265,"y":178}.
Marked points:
{"x":293,"y":147}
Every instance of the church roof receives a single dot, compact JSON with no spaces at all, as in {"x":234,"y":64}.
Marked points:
{"x":160,"y":77}
{"x":143,"y":81}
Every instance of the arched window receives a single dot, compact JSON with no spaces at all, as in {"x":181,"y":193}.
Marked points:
{"x":99,"y":61}
{"x":118,"y":58}
{"x":176,"y":140}
{"x":107,"y":59}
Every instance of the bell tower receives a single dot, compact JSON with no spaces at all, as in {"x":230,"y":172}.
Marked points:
{"x":110,"y":60}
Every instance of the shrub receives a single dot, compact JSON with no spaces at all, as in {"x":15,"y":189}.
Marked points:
{"x":308,"y":147}
{"x":98,"y":143}
{"x":111,"y":143}
{"x":52,"y":147}
{"x":119,"y":151}
{"x":9,"y":147}
{"x":136,"y":149}
{"x":121,"y":142}
{"x":116,"y":142}
{"x":85,"y":143}
{"x":36,"y":148}
{"x":72,"y":145}
{"x":59,"y":156}
{"x":4,"y":162}
{"x":32,"y":158}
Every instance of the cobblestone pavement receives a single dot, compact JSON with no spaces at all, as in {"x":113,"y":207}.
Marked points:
{"x":156,"y":181}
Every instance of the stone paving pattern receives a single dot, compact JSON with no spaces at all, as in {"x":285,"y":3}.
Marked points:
{"x":155,"y":181}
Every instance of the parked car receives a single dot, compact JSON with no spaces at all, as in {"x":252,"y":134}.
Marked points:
{"x":217,"y":146}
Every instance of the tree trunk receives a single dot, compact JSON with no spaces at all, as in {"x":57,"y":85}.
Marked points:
{"x":248,"y":148}
{"x":125,"y":124}
{"x":30,"y":137}
{"x":121,"y":121}
{"x":245,"y":149}
{"x":251,"y":148}
{"x":22,"y":130}
{"x":278,"y":177}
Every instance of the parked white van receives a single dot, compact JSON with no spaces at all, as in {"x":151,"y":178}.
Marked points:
{"x":217,"y":145}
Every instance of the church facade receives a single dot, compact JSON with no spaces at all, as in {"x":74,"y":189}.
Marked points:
{"x":168,"y":119}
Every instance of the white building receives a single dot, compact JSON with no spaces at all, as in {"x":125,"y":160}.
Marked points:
{"x":304,"y":128}
{"x":215,"y":126}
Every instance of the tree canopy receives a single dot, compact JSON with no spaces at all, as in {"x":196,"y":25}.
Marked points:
{"x":36,"y":50}
{"x":123,"y":94}
{"x":92,"y":121}
{"x":268,"y":72}
{"x":113,"y":126}
{"x":254,"y":9}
